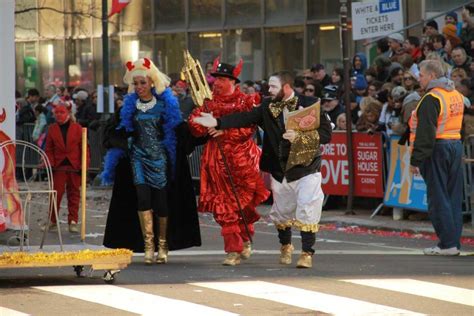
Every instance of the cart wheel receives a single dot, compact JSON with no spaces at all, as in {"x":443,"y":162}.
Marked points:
{"x":78,"y":270}
{"x":109,"y":276}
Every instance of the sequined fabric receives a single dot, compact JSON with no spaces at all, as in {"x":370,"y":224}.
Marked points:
{"x":243,"y":157}
{"x":277,"y":107}
{"x":148,"y":155}
{"x":304,"y":149}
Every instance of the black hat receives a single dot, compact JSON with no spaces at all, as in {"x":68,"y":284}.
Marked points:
{"x":225,"y":70}
{"x":330,"y":93}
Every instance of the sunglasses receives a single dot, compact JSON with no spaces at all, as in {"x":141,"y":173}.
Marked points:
{"x":408,"y":78}
{"x":308,"y":78}
{"x":309,"y":90}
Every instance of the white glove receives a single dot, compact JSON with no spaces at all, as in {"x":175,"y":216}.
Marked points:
{"x":290,"y":135}
{"x":206,"y":120}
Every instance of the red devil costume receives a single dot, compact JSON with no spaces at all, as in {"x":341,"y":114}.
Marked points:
{"x":63,"y":148}
{"x":242,"y":155}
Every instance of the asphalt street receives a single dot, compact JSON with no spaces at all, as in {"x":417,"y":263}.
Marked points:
{"x":353,"y":274}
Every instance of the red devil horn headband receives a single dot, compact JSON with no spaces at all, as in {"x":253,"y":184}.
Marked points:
{"x":130,"y":65}
{"x":238,"y":68}
{"x":146,"y":63}
{"x":217,"y":61}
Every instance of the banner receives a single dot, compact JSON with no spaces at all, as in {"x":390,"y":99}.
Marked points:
{"x":368,"y":165}
{"x":376,"y":18}
{"x":404,"y":189}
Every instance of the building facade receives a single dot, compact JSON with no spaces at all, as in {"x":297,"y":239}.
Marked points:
{"x":59,"y":41}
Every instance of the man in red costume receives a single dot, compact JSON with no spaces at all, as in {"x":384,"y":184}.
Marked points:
{"x":242,"y":155}
{"x":63,"y":148}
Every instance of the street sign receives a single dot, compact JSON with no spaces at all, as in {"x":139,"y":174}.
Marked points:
{"x":376,"y":18}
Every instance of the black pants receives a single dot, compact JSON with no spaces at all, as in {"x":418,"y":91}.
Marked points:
{"x":308,"y":239}
{"x":152,"y":199}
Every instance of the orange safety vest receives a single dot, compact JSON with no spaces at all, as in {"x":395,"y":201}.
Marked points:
{"x":450,"y":116}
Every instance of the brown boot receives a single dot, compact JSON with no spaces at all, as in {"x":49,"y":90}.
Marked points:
{"x":285,"y":254}
{"x":146,"y":223}
{"x":162,"y":243}
{"x":305,"y":260}
{"x":247,"y":251}
{"x":232,"y":259}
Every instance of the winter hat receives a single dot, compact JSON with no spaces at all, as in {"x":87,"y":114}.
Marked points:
{"x":360,"y":83}
{"x":398,"y":93}
{"x":81,"y":95}
{"x":452,"y":14}
{"x":397,"y":37}
{"x":433,"y":24}
{"x":382,"y":61}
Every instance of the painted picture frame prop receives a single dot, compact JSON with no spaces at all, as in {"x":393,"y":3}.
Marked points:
{"x":306,"y":119}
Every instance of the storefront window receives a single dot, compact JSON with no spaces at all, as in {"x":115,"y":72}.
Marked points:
{"x":323,"y":9}
{"x":324,"y":46}
{"x":205,"y":46}
{"x":205,"y":13}
{"x":284,"y":49}
{"x":137,"y":16}
{"x":26,"y":22}
{"x":243,"y":12}
{"x":27,"y":68}
{"x":284,"y":11}
{"x":79,"y":24}
{"x":51,"y":60}
{"x":116,"y":66}
{"x":442,"y":5}
{"x":169,"y":53}
{"x":51,"y":23}
{"x":245,"y":44}
{"x":169,"y":14}
{"x":80,"y":63}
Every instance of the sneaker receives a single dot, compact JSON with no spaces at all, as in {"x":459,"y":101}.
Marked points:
{"x":285,"y":254}
{"x":247,"y":251}
{"x":436,"y":251}
{"x":73,"y":227}
{"x":232,"y":259}
{"x":52,"y":227}
{"x":305,"y":260}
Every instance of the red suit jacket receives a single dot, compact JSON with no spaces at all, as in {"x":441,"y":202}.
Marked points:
{"x":242,"y":154}
{"x":57,"y":150}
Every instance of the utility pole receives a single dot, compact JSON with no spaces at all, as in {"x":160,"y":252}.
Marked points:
{"x":344,"y":5}
{"x":105,"y":55}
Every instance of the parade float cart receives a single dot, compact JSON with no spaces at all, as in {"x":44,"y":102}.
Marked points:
{"x":16,"y":210}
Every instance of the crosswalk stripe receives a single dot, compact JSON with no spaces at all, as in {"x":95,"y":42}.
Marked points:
{"x":311,"y":300}
{"x":10,"y":312}
{"x":422,"y":288}
{"x":133,"y":301}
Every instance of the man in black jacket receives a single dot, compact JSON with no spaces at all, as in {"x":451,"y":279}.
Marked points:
{"x":292,"y":157}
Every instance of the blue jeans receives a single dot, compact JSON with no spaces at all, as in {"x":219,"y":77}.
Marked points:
{"x":442,"y":173}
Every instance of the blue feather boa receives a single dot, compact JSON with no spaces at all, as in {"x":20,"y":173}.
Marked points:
{"x":111,"y":160}
{"x":172,"y":118}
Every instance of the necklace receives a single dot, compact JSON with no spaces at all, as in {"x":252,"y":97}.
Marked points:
{"x":145,"y":106}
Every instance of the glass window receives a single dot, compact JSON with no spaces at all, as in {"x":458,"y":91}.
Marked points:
{"x":324,"y":46}
{"x":116,"y":66}
{"x":51,"y":63}
{"x":51,"y":23}
{"x":284,"y":49}
{"x":245,"y":44}
{"x":26,"y":22}
{"x":136,"y":16}
{"x":134,"y":48}
{"x":79,"y":24}
{"x":243,"y":12}
{"x":169,"y":53}
{"x":205,"y":46}
{"x":80,"y":63}
{"x":204,"y":13}
{"x":114,"y":21}
{"x":27,"y":68}
{"x":169,"y":14}
{"x":443,"y":5}
{"x":323,"y":9}
{"x":284,"y":11}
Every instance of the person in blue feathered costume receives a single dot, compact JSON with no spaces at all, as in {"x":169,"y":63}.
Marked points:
{"x":148,"y":146}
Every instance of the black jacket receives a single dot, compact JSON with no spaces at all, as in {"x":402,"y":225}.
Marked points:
{"x":276,"y":149}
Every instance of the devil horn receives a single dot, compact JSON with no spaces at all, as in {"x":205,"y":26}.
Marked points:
{"x":217,"y":61}
{"x":130,"y":65}
{"x":238,"y":68}
{"x":146,"y":63}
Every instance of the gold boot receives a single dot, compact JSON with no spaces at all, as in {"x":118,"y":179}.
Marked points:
{"x":247,"y":251}
{"x":162,"y":243}
{"x":305,"y":260}
{"x":146,"y":223}
{"x":285,"y":254}
{"x":232,"y":259}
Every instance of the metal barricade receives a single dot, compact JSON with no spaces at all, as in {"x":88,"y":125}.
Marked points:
{"x":195,"y":162}
{"x":467,"y":176}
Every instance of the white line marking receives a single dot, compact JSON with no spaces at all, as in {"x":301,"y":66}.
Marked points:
{"x":10,"y":312}
{"x":312,"y":300}
{"x":277,"y":252}
{"x":132,"y":301}
{"x":421,"y":288}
